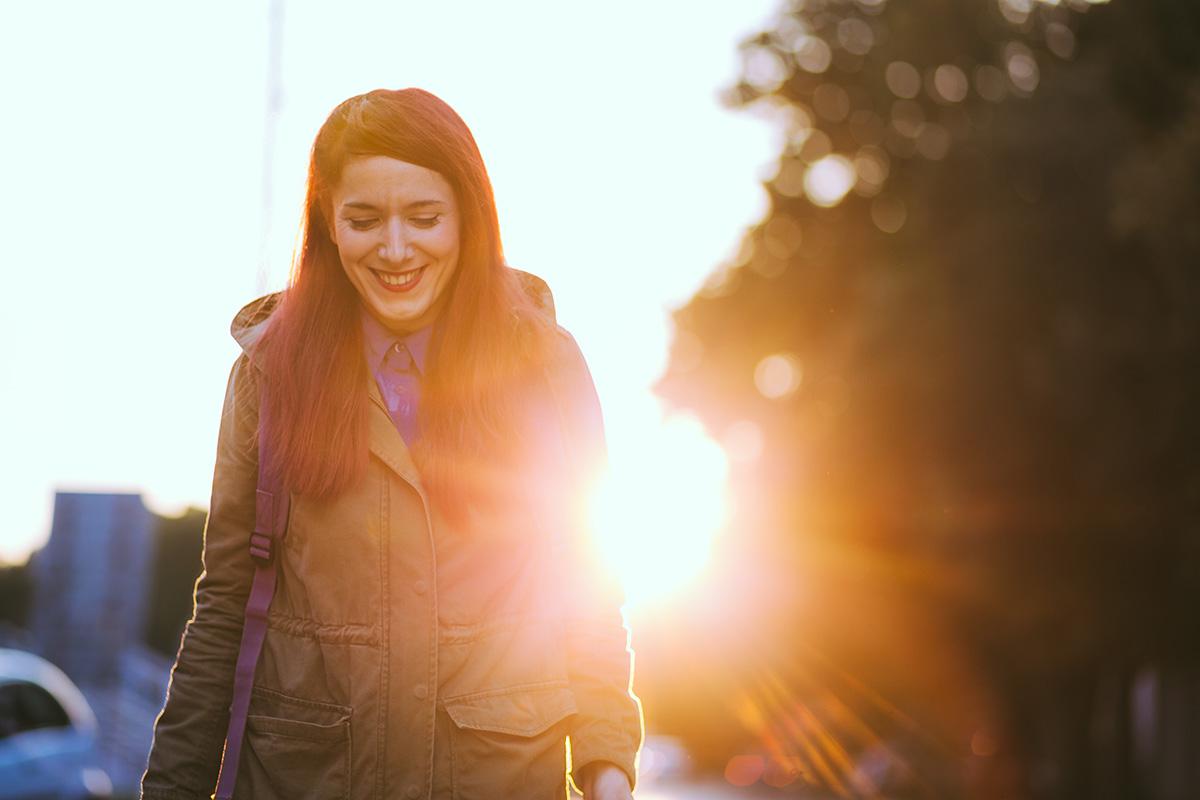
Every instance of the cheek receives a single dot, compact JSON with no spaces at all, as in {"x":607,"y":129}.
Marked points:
{"x":351,"y":249}
{"x":445,"y":244}
{"x":349,"y":263}
{"x":451,"y":246}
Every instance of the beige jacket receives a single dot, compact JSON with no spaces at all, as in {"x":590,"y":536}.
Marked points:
{"x":403,"y":658}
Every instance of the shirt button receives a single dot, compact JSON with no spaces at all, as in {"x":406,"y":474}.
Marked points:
{"x":414,"y":791}
{"x":421,"y":691}
{"x":420,"y":587}
{"x":403,"y":359}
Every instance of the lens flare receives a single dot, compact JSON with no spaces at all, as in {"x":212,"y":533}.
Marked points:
{"x":656,"y":516}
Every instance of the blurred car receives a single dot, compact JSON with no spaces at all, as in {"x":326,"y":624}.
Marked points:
{"x":47,"y":734}
{"x":663,"y":758}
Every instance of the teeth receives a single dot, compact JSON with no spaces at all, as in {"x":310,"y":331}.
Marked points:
{"x":399,"y":279}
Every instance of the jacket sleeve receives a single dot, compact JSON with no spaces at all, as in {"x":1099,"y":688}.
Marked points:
{"x":609,"y":724}
{"x":189,"y":733}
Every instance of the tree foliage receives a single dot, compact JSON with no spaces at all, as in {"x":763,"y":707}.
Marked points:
{"x":179,"y":541}
{"x":966,"y":334}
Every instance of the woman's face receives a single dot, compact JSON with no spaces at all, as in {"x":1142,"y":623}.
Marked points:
{"x":396,"y":227}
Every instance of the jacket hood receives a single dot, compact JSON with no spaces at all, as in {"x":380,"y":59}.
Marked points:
{"x":254,"y":318}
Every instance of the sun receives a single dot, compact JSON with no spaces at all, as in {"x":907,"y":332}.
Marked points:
{"x":659,"y":507}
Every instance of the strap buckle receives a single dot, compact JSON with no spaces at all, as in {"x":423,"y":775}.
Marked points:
{"x":263,"y":536}
{"x":260,"y":548}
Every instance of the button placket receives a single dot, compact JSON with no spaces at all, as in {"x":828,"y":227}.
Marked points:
{"x":402,"y":388}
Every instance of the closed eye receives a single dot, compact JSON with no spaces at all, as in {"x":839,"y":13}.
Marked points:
{"x":362,"y":223}
{"x":427,"y":221}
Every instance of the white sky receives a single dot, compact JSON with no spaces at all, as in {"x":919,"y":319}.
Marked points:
{"x":131,"y":211}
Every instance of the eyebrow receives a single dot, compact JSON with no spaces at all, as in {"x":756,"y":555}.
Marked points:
{"x":362,"y":206}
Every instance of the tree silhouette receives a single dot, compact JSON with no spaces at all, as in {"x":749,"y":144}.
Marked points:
{"x":179,"y":541}
{"x":962,"y":345}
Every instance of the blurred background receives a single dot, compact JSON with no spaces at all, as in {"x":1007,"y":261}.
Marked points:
{"x":905,"y":487}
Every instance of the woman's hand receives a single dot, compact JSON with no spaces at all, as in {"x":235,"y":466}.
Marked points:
{"x":605,"y":781}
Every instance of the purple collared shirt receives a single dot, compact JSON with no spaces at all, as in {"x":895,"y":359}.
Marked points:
{"x":397,"y":362}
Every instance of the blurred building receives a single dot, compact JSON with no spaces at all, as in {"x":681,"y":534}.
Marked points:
{"x":91,"y":584}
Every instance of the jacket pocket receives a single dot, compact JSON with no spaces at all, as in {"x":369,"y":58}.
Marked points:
{"x":294,"y":748}
{"x":510,"y":744}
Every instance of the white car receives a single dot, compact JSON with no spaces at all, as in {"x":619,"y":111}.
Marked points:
{"x":47,"y":734}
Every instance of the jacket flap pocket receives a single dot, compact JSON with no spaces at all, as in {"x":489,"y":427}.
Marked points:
{"x":522,"y":712}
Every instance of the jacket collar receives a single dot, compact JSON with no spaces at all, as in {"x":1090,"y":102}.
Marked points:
{"x":384,"y":441}
{"x":377,"y":340}
{"x":251,"y":322}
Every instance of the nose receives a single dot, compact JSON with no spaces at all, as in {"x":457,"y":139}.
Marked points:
{"x":395,"y":246}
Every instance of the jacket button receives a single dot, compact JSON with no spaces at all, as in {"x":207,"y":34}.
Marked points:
{"x":414,"y":791}
{"x":421,"y":691}
{"x":420,"y":587}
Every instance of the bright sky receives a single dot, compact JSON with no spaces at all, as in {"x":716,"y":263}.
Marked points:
{"x":132,"y":154}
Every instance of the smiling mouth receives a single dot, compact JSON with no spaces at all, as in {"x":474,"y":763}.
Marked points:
{"x":399,"y":281}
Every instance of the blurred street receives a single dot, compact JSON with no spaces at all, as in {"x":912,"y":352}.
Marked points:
{"x":712,"y":789}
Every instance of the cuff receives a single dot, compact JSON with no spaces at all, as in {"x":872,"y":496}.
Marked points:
{"x":577,"y":782}
{"x":590,"y":747}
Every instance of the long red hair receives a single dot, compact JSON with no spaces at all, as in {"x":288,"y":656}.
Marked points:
{"x":490,"y":337}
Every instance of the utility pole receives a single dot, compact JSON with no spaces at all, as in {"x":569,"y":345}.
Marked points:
{"x":273,"y":106}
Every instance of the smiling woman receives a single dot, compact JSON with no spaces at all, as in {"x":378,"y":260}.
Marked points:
{"x":439,"y":622}
{"x":396,"y":230}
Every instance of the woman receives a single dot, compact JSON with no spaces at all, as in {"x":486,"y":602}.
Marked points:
{"x":440,"y":624}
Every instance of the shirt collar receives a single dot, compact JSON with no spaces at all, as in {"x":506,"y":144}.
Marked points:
{"x":378,"y":340}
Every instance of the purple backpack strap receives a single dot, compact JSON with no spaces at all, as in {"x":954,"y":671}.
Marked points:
{"x":270,"y":525}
